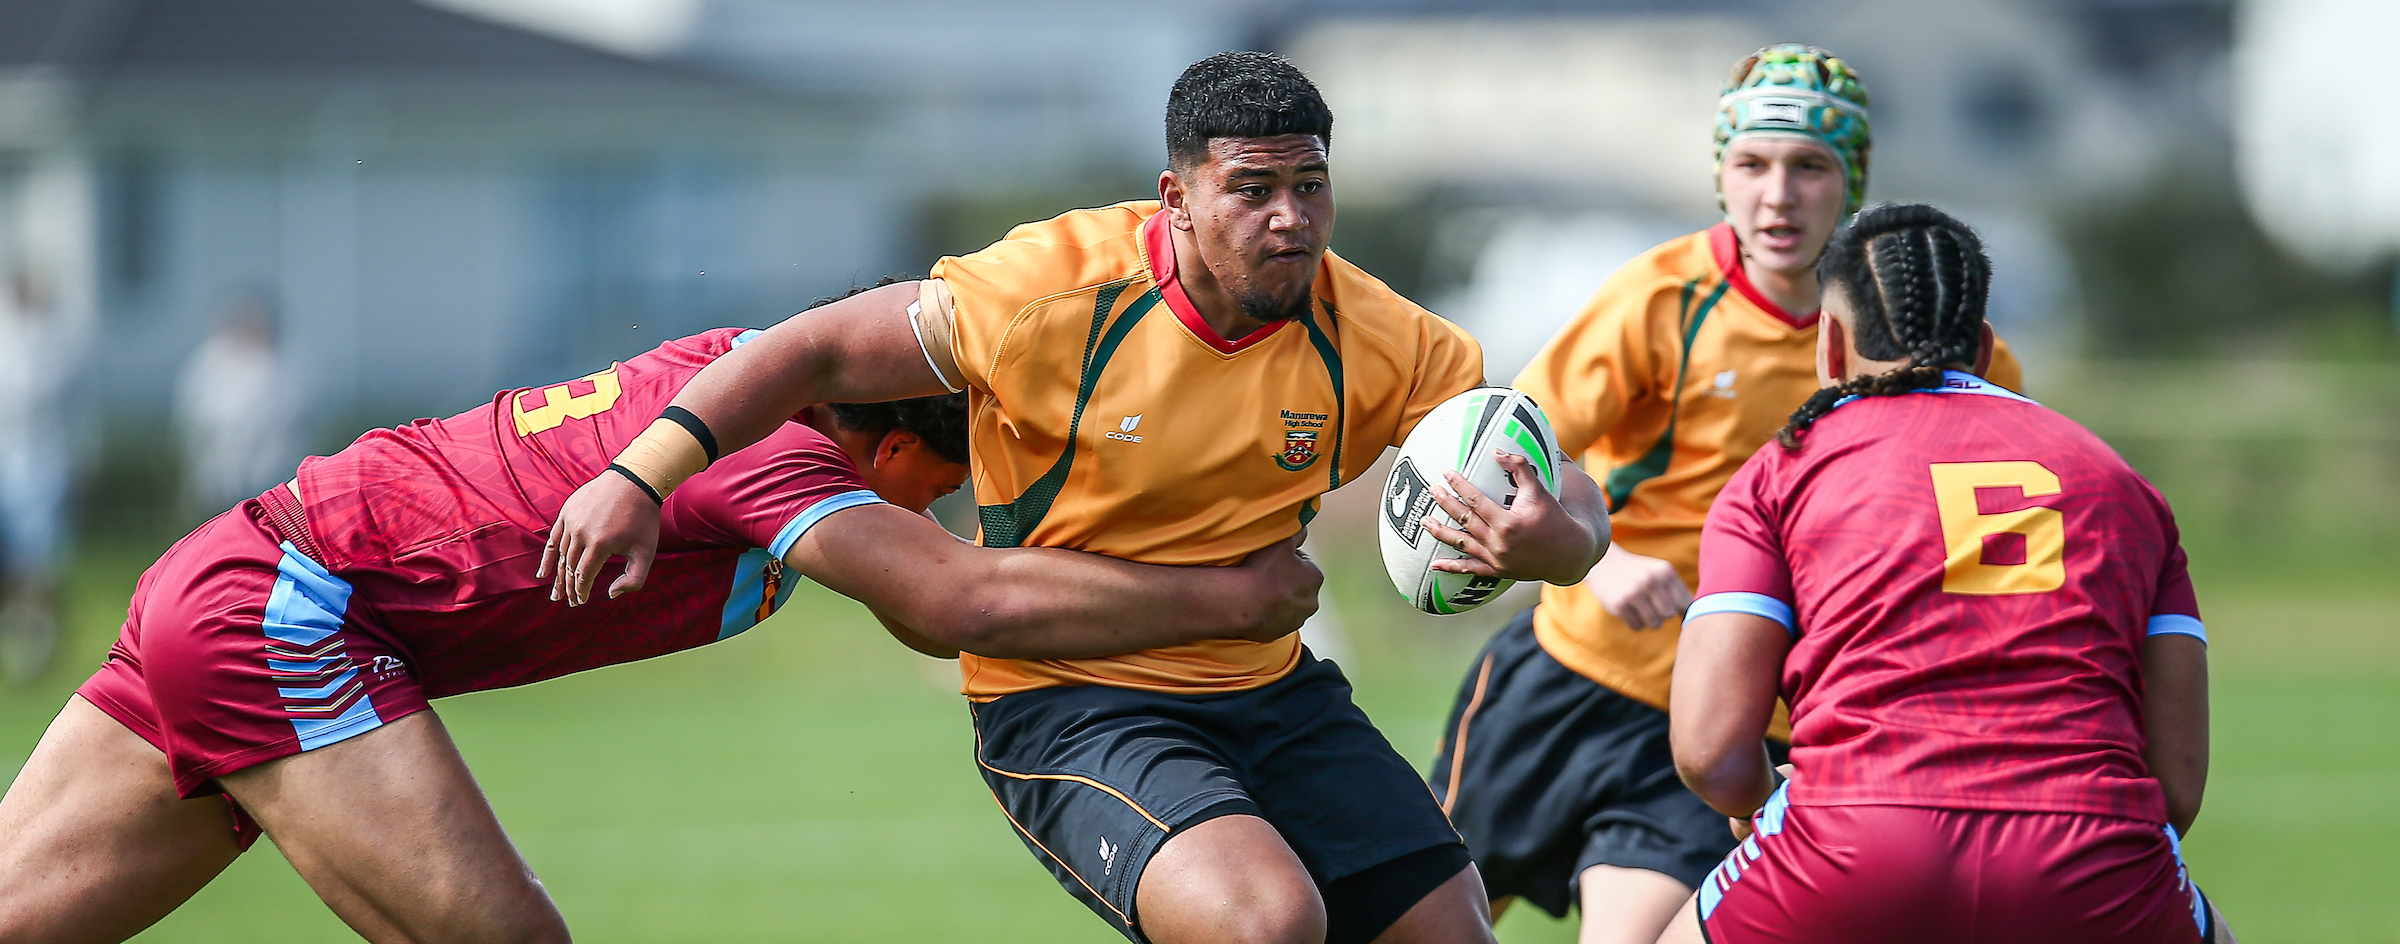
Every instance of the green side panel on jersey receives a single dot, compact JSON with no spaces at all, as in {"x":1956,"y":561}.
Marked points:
{"x":1008,"y":525}
{"x":1623,"y":479}
{"x":1332,"y":356}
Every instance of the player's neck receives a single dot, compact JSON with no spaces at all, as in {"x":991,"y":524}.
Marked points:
{"x":1795,"y":292}
{"x":1216,"y":306}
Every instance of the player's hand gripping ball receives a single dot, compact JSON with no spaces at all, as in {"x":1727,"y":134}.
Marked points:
{"x":1461,"y":435}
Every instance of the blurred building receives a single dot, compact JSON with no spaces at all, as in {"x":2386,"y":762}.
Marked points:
{"x":448,"y":196}
{"x":443,"y":205}
{"x":1576,"y":133}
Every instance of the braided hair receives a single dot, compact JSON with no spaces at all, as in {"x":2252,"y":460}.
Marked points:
{"x":1916,"y":279}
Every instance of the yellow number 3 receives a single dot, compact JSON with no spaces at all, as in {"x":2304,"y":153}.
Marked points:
{"x":560,"y":404}
{"x":1964,"y":528}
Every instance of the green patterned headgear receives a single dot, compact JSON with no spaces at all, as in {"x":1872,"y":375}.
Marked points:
{"x":1790,"y":88}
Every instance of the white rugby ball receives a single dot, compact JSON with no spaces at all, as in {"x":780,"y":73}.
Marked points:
{"x":1458,"y":436}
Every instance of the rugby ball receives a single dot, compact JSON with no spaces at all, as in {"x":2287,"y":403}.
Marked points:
{"x":1459,"y":436}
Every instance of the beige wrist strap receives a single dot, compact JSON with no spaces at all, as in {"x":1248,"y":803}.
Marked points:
{"x":664,"y":456}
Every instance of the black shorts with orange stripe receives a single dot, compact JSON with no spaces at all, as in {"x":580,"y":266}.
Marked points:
{"x":1548,"y":773}
{"x":1096,"y":779}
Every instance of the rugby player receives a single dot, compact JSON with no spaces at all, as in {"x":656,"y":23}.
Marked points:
{"x":283,"y":654}
{"x":1171,"y":382}
{"x":1555,"y":764}
{"x":1981,"y":620}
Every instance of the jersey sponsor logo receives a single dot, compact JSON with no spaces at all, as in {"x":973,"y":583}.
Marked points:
{"x":1125,"y":428}
{"x":1300,"y":433}
{"x":561,"y":402}
{"x":1406,"y":501}
{"x":1724,"y":386}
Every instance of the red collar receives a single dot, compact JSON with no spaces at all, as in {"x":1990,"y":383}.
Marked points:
{"x":1728,"y":251}
{"x":1159,"y":243}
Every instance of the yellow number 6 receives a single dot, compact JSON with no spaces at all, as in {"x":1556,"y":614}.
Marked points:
{"x":559,"y":405}
{"x":1964,"y":529}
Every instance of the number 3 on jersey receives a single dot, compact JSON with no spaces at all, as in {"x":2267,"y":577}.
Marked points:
{"x":560,"y":402}
{"x":1966,"y":530}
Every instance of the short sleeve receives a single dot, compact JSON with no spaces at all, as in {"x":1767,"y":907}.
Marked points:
{"x":1449,"y":363}
{"x":767,"y":495}
{"x":1742,"y":564}
{"x":2175,"y":609}
{"x":1588,"y":373}
{"x":981,"y":306}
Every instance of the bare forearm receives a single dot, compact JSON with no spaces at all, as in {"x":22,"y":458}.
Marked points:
{"x":1720,"y":701}
{"x":1583,"y":500}
{"x":2175,"y":722}
{"x":1041,"y":603}
{"x":857,"y":350}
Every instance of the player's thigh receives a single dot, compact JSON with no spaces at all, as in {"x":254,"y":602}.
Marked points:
{"x":1455,"y":912}
{"x":1684,"y":927}
{"x":1230,"y":879}
{"x":1627,"y":906}
{"x":94,"y":843}
{"x":1096,"y":780}
{"x":390,"y":829}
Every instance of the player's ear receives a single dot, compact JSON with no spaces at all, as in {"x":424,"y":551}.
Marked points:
{"x":1833,"y":351}
{"x":893,"y":444}
{"x":1983,"y":351}
{"x":1173,"y":199}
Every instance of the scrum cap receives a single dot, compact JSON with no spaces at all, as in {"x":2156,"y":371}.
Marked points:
{"x":1794,"y":89}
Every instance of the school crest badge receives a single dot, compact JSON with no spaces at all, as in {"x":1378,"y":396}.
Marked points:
{"x":1299,"y":449}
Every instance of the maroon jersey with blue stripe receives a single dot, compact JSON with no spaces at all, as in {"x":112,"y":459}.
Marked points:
{"x":1969,"y":578}
{"x":437,"y":527}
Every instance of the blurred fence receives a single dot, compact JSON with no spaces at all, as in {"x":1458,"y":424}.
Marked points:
{"x":2268,"y":456}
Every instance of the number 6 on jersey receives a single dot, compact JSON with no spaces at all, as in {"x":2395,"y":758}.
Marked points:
{"x":1967,"y":531}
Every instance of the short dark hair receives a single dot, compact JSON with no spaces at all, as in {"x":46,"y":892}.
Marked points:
{"x":1241,"y":95}
{"x":941,"y":420}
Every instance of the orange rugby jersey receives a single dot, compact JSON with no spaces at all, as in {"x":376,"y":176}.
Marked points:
{"x":1108,"y":417}
{"x":1670,"y":378}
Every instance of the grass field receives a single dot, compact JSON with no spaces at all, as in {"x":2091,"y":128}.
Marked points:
{"x":811,"y":781}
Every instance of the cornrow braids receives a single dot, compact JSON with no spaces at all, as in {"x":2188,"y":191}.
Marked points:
{"x":1917,"y":280}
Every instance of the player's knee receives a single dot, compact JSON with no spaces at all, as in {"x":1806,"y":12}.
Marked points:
{"x":1277,"y":916}
{"x":1229,"y":880}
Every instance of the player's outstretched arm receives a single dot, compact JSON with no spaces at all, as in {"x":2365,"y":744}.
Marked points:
{"x":1046,"y":603}
{"x":862,"y":349}
{"x":2175,"y":719}
{"x":1540,"y":536}
{"x":1719,"y":705}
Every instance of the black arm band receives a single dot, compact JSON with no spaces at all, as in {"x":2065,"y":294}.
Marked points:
{"x":692,"y":424}
{"x":637,"y":482}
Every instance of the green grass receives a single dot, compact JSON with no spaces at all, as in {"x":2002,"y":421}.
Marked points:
{"x":810,"y":781}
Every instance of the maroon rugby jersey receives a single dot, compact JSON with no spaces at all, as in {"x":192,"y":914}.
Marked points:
{"x":1969,"y":578}
{"x":438,"y":527}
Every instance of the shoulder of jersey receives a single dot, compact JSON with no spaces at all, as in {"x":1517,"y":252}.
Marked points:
{"x":796,"y":436}
{"x":1073,"y":250}
{"x":1668,"y":265}
{"x":1371,"y":311}
{"x":690,"y":352}
{"x":1662,"y":271}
